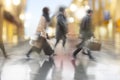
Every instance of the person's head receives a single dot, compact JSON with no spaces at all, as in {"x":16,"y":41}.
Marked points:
{"x":46,"y":13}
{"x":89,"y":12}
{"x":62,"y":10}
{"x":46,"y":10}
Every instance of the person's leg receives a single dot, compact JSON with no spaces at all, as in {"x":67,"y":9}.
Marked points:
{"x":29,"y":52}
{"x":64,"y":40}
{"x":89,"y":55}
{"x":47,"y":48}
{"x":76,"y":52}
{"x":79,"y":48}
{"x":37,"y":50}
{"x":3,"y":49}
{"x":80,"y":44}
{"x":57,"y":41}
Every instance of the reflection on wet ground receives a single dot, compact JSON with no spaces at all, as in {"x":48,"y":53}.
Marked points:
{"x":62,"y":67}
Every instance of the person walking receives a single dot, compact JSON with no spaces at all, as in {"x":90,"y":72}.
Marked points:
{"x":61,"y":28}
{"x":3,"y":50}
{"x":86,"y":33}
{"x":41,"y":41}
{"x":2,"y":47}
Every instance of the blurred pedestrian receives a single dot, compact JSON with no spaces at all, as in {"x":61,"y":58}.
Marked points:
{"x":3,"y":49}
{"x":44,"y":22}
{"x":86,"y":33}
{"x":40,"y":42}
{"x":61,"y":28}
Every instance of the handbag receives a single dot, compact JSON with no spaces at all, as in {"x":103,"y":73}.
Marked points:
{"x":94,"y":45}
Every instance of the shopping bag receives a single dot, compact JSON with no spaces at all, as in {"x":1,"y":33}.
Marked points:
{"x":94,"y":45}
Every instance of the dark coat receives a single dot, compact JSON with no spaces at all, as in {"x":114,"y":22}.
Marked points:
{"x":61,"y":28}
{"x":86,"y":27}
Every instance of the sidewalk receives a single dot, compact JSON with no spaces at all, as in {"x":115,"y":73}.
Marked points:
{"x":107,"y":65}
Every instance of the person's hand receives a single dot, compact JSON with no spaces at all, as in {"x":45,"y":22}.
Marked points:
{"x":43,"y":35}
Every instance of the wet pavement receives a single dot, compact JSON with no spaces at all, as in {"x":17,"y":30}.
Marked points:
{"x":62,"y":67}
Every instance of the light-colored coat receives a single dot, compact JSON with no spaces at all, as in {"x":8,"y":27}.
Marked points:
{"x":42,"y":26}
{"x":41,"y":31}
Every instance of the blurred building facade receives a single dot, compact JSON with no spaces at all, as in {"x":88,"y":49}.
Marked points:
{"x":75,"y":12}
{"x":104,"y":11}
{"x":12,"y":20}
{"x":105,"y":14}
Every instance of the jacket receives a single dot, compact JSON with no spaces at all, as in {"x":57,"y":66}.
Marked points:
{"x":86,"y":27}
{"x":61,"y":27}
{"x":42,"y":26}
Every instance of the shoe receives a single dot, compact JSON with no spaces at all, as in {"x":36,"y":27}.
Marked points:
{"x":28,"y":56}
{"x":84,"y":53}
{"x":7,"y":57}
{"x":74,"y":57}
{"x":89,"y":55}
{"x":91,"y":58}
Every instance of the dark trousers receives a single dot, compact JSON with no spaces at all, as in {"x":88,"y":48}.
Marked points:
{"x":3,"y":49}
{"x":63,"y":38}
{"x":80,"y":47}
{"x":45,"y":47}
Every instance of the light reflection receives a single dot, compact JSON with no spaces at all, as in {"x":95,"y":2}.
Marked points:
{"x":15,"y":72}
{"x":15,"y":41}
{"x":117,"y":42}
{"x":110,"y":29}
{"x":49,"y":76}
{"x":107,"y":72}
{"x":28,"y":15}
{"x":80,"y":0}
{"x":80,"y":13}
{"x":16,"y":2}
{"x":4,"y":33}
{"x":68,"y":72}
{"x":96,"y":32}
{"x":103,"y":32}
{"x":73,"y":7}
{"x":87,"y":7}
{"x":71,"y":19}
{"x":8,"y":3}
{"x":26,"y":37}
{"x":22,"y":17}
{"x":50,"y":31}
